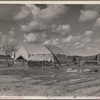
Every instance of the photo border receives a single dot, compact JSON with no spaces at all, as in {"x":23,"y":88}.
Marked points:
{"x":69,"y":2}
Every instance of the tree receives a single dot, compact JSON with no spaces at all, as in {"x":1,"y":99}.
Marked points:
{"x":8,"y":47}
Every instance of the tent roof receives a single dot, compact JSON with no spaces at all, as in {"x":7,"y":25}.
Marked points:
{"x":32,"y":48}
{"x":38,"y":52}
{"x":56,"y":50}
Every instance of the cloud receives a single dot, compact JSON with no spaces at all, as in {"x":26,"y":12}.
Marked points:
{"x":46,"y":42}
{"x":55,"y":42}
{"x":86,"y":40}
{"x":25,"y":11}
{"x":93,"y":50}
{"x":72,"y":38}
{"x":78,"y":41}
{"x":97,"y":23}
{"x":3,"y":38}
{"x":44,"y":35}
{"x":68,"y":39}
{"x":0,"y":33}
{"x":62,"y":29}
{"x":12,"y":32}
{"x":30,"y":37}
{"x":80,"y":45}
{"x":11,"y":40}
{"x":96,"y":10}
{"x":34,"y":10}
{"x":90,"y":48}
{"x":52,"y":11}
{"x":49,"y":13}
{"x":7,"y":12}
{"x":6,"y":39}
{"x":51,"y":42}
{"x":97,"y":41}
{"x":40,"y":18}
{"x":33,"y":26}
{"x":88,"y":33}
{"x":92,"y":7}
{"x":87,"y":15}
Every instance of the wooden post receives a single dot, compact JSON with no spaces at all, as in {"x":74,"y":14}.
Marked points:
{"x":53,"y":63}
{"x":42,"y":63}
{"x":98,"y":58}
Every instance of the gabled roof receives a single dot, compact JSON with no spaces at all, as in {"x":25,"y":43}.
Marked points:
{"x":32,"y":48}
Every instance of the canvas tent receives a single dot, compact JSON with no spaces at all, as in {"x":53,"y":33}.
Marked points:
{"x":39,"y":53}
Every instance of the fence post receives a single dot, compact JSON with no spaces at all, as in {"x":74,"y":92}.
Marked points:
{"x":42,"y":63}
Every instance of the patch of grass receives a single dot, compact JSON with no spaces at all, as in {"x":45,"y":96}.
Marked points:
{"x":47,"y":74}
{"x":14,"y":72}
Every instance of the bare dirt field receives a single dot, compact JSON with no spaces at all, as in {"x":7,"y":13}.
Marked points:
{"x":47,"y":81}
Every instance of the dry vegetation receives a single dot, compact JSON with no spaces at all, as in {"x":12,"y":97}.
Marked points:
{"x":47,"y":81}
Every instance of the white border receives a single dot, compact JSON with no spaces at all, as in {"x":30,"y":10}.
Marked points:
{"x":48,"y":2}
{"x":44,"y":97}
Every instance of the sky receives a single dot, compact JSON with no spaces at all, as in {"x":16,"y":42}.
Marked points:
{"x":73,"y":28}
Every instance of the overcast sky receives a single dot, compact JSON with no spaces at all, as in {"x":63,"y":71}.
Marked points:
{"x":74,"y":28}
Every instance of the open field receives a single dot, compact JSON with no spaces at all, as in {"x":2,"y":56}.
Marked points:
{"x":47,"y":81}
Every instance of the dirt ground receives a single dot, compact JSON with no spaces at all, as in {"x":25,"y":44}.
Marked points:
{"x":46,"y":81}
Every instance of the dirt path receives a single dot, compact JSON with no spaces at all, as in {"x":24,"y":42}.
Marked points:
{"x":41,"y":82}
{"x":16,"y":86}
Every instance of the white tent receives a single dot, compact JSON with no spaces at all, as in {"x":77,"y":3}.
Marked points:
{"x":37,"y":52}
